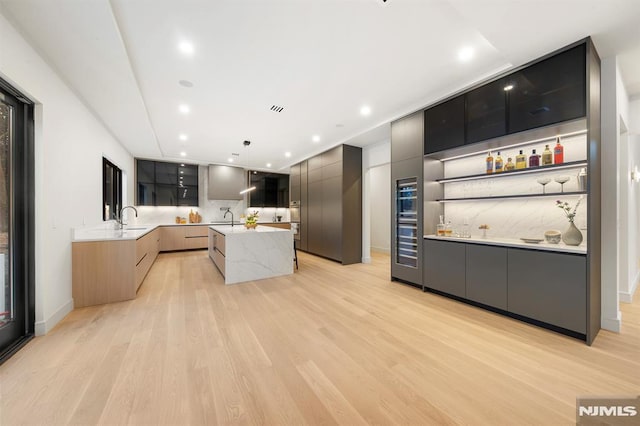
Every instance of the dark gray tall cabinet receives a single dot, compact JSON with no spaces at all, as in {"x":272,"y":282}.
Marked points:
{"x":407,"y":139}
{"x":331,"y":204}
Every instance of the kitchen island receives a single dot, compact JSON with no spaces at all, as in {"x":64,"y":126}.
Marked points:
{"x":242,"y":254}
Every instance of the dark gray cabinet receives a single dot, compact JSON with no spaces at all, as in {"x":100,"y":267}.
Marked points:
{"x":548,"y":287}
{"x":159,"y":183}
{"x":331,"y":204}
{"x":444,"y":125}
{"x":407,"y":141}
{"x":444,"y":267}
{"x":486,"y":112}
{"x":272,"y":189}
{"x":294,"y":182}
{"x":550,"y":91}
{"x":486,"y":275}
{"x":304,"y":207}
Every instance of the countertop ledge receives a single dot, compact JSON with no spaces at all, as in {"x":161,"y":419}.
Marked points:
{"x":227,"y":230}
{"x":130,"y":232}
{"x":509,"y":242}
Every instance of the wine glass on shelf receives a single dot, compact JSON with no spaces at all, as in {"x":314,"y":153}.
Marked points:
{"x":562,"y":180}
{"x":543,"y":181}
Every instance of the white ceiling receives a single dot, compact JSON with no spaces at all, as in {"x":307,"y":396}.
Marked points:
{"x":320,"y":60}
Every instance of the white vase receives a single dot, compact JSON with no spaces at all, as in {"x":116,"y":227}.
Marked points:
{"x":572,"y":236}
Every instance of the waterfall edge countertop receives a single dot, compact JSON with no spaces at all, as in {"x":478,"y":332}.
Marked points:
{"x":106,"y":232}
{"x":512,"y":242}
{"x":242,"y":254}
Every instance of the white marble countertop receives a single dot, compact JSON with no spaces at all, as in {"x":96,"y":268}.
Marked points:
{"x":132,"y":232}
{"x":240,"y":229}
{"x":511,"y":242}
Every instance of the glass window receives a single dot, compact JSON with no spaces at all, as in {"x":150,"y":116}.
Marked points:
{"x":111,"y":190}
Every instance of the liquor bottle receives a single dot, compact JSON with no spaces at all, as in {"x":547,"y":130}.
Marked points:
{"x":521,"y":161}
{"x":489,"y":162}
{"x":534,"y":159}
{"x":547,"y":156}
{"x":509,"y":166}
{"x":558,"y":153}
{"x":499,"y":163}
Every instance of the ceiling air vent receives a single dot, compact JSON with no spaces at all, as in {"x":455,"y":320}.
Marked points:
{"x":276,"y":108}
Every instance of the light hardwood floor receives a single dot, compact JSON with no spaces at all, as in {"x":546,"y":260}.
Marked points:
{"x":330,"y":344}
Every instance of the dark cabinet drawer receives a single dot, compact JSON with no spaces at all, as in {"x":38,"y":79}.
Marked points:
{"x":444,"y":125}
{"x":549,"y":287}
{"x":548,"y":92}
{"x":444,"y":266}
{"x":487,"y":275}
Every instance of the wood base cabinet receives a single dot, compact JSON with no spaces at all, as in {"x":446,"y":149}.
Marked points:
{"x":185,"y":237}
{"x":111,"y":271}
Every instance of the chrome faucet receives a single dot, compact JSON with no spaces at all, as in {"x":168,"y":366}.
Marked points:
{"x":119,"y":219}
{"x":225,"y":215}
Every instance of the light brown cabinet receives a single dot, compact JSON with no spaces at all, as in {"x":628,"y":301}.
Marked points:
{"x":217,"y":249}
{"x":111,"y":271}
{"x":183,"y":237}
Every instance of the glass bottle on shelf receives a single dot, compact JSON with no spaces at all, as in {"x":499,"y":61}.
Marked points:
{"x":448,"y":229}
{"x":558,"y":153}
{"x":489,"y":163}
{"x":498,"y":163}
{"x":440,"y":227}
{"x":547,"y":156}
{"x":534,"y":159}
{"x":509,"y":166}
{"x":521,"y":161}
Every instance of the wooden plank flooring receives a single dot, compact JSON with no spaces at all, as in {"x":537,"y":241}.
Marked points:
{"x":330,"y":344}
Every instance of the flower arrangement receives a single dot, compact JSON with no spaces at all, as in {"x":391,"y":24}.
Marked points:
{"x":569,"y":211}
{"x":251,"y":219}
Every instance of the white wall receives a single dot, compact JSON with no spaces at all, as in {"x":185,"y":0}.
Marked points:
{"x":615,"y":223}
{"x":380,"y":201}
{"x":372,"y":156}
{"x":69,"y":145}
{"x":633,"y":198}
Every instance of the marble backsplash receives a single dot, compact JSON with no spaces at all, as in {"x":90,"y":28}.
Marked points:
{"x":515,"y":218}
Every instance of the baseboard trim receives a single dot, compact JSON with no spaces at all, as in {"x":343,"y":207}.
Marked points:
{"x":612,"y":324}
{"x":381,"y":250}
{"x":43,"y":327}
{"x":628,"y":297}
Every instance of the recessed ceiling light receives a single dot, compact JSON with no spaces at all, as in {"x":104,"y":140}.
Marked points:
{"x":508,"y":87}
{"x":185,"y":83}
{"x":287,"y":154}
{"x":465,"y":54}
{"x":186,"y":47}
{"x":230,"y":160}
{"x":183,"y":154}
{"x":365,"y":110}
{"x":315,"y":138}
{"x":268,"y":164}
{"x":184,"y":108}
{"x":183,"y":137}
{"x":181,"y":165}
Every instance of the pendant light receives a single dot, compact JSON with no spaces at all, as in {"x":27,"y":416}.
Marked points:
{"x":251,"y":188}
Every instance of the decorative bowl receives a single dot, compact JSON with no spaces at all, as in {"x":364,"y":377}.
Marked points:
{"x":250,"y":225}
{"x":553,"y":237}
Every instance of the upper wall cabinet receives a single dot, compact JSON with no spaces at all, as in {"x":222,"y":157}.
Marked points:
{"x":272,"y":189}
{"x":444,"y":125}
{"x":160,"y":183}
{"x":486,"y":112}
{"x":548,"y":92}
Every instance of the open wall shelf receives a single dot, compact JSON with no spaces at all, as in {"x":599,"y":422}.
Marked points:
{"x":506,"y":197}
{"x":540,"y":169}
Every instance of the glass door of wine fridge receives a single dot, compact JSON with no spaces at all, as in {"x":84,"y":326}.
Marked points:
{"x":407,"y":222}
